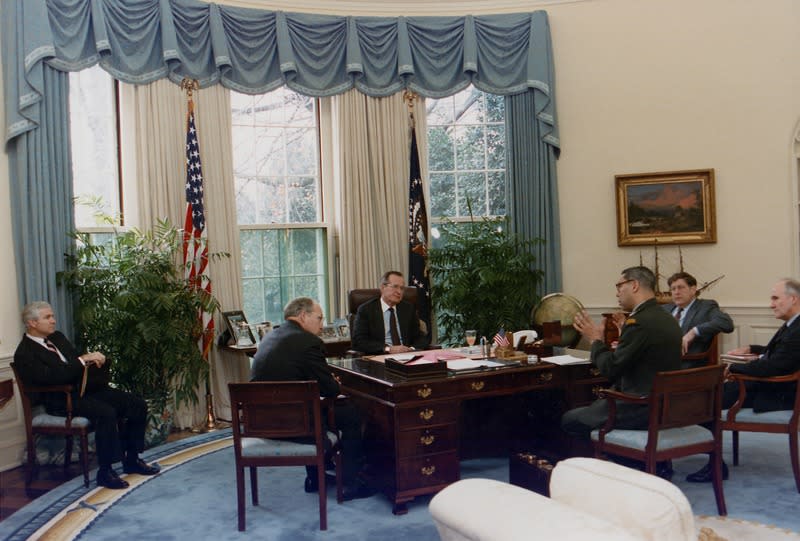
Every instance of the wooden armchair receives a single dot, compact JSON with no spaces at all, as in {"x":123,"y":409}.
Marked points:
{"x":272,"y":420}
{"x":738,"y":419}
{"x":679,"y":402}
{"x":708,"y":357}
{"x":38,"y":421}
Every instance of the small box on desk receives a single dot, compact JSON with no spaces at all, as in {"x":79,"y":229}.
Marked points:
{"x":531,"y":471}
{"x":415,"y":371}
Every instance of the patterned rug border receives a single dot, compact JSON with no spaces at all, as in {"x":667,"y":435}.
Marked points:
{"x":65,"y":512}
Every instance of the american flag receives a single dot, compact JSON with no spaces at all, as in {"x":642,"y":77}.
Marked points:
{"x":417,"y":235}
{"x":500,"y":339}
{"x":195,"y":247}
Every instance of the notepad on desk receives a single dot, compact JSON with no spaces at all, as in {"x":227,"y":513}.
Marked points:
{"x":565,"y":360}
{"x":458,"y":365}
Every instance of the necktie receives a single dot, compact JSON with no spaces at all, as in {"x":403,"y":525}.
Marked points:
{"x":393,"y":328}
{"x":678,"y":314}
{"x":49,"y":345}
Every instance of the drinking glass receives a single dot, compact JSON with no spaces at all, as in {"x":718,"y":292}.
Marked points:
{"x":471,"y":337}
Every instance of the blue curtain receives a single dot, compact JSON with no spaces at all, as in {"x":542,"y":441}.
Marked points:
{"x":532,"y":148}
{"x":247,"y":50}
{"x":40,"y":171}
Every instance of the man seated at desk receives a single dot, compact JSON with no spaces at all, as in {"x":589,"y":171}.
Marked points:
{"x":700,"y":319}
{"x":388,"y":324}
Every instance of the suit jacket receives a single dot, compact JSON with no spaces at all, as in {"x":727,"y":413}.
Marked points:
{"x":706,"y":315}
{"x":369,"y":335}
{"x":290,"y":353}
{"x":38,"y":365}
{"x":781,"y":356}
{"x":650,"y":342}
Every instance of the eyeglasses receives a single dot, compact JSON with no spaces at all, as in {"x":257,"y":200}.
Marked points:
{"x":619,"y":285}
{"x":396,"y":286}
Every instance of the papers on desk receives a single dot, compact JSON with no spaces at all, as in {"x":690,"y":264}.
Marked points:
{"x":565,"y":360}
{"x":458,"y":365}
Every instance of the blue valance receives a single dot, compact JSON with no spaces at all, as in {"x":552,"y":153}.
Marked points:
{"x":254,"y":51}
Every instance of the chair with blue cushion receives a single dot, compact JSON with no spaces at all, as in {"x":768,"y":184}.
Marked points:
{"x":39,"y":422}
{"x":279,"y":423}
{"x":679,"y":401}
{"x":738,"y":419}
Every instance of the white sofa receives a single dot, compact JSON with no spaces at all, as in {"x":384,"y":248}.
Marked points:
{"x":590,"y":500}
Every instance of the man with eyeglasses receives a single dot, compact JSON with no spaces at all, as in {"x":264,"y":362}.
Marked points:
{"x":388,"y":324}
{"x":295,"y":352}
{"x":649,"y":342}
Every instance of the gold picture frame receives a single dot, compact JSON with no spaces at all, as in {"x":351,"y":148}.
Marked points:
{"x":675,"y":207}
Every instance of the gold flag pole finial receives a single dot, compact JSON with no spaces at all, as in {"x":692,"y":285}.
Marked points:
{"x":190,"y":85}
{"x":410,"y":97}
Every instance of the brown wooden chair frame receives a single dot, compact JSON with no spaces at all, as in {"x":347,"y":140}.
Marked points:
{"x":281,"y":410}
{"x":68,"y":430}
{"x":710,"y":356}
{"x":680,"y":398}
{"x":790,"y":428}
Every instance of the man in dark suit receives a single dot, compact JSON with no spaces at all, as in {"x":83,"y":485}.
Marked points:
{"x":781,"y":356}
{"x":649,"y":342}
{"x":700,"y":319}
{"x":46,"y":357}
{"x":388,"y":324}
{"x":295,"y":352}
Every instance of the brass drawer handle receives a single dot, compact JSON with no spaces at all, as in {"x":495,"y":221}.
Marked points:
{"x":428,"y":470}
{"x":426,"y":414}
{"x":476,"y":385}
{"x":546,"y":376}
{"x":594,"y":371}
{"x":427,"y":439}
{"x":424,"y":392}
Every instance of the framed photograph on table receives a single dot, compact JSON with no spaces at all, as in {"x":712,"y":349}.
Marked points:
{"x":666,"y":208}
{"x":329,"y":333}
{"x":239,"y":328}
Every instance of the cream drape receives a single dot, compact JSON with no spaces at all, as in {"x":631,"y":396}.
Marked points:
{"x":159,"y":119}
{"x":371,"y":169}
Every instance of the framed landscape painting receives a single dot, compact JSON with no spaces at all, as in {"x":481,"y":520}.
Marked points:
{"x":666,"y":208}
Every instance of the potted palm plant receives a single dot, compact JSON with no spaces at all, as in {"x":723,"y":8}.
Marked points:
{"x":483,"y":278}
{"x":132,"y":302}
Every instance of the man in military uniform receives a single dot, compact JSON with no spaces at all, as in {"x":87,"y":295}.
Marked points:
{"x":649,"y":342}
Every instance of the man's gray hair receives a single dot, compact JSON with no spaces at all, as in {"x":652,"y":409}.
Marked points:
{"x":389,"y":274}
{"x":791,"y":286}
{"x":643,"y":275}
{"x":30,"y":312}
{"x":298,"y":306}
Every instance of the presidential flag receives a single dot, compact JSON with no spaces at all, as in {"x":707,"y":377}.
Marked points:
{"x":417,"y":237}
{"x":195,"y":246}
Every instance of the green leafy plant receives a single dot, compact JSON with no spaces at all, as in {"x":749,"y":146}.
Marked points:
{"x":133,"y":303}
{"x":483,"y":278}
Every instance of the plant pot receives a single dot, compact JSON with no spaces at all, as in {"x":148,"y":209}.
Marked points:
{"x":160,"y":418}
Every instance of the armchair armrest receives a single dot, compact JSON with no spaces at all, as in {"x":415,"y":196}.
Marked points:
{"x":742,"y":378}
{"x":612,"y":397}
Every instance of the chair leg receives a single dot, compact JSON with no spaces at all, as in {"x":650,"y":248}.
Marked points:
{"x":716,"y":481}
{"x":85,"y":459}
{"x":323,"y":496}
{"x":240,"y":496}
{"x":735,"y":438}
{"x":795,"y":459}
{"x":254,"y":484}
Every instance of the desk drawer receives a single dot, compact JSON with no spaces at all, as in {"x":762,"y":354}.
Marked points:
{"x":427,"y":471}
{"x":424,"y":441}
{"x":493,"y":382}
{"x":426,"y":391}
{"x":434,"y":413}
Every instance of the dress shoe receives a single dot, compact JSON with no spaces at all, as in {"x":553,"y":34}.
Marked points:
{"x":703,"y":475}
{"x":312,"y":485}
{"x":107,"y":477}
{"x":357,"y":491}
{"x":141,"y":467}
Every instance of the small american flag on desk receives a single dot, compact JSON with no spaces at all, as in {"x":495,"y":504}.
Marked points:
{"x":500,"y":339}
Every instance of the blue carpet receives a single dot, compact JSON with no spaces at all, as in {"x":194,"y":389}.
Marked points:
{"x":197,"y":500}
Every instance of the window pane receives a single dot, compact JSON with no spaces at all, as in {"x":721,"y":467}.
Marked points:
{"x":93,"y":130}
{"x":466,"y":154}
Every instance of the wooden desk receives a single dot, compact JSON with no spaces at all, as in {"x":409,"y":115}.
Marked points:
{"x":412,"y":434}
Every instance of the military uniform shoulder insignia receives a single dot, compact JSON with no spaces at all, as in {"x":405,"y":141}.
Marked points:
{"x":630,"y":321}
